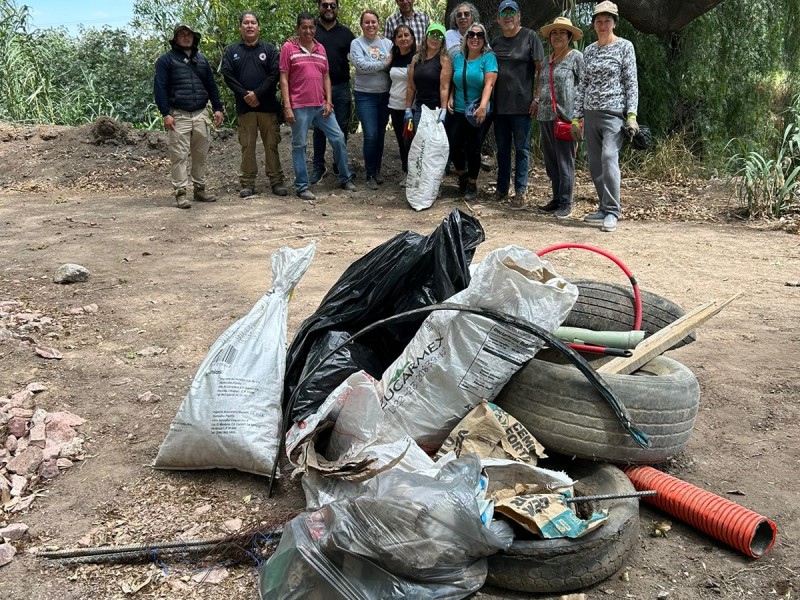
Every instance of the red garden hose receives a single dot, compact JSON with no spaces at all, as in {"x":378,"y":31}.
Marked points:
{"x":637,"y":298}
{"x":737,"y":526}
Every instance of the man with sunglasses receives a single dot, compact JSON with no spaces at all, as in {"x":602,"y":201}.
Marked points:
{"x":406,"y":15}
{"x":519,"y":58}
{"x":336,"y":39}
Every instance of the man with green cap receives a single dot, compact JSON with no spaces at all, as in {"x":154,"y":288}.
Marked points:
{"x":182,"y":86}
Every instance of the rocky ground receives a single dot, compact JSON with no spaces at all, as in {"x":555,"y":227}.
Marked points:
{"x":117,"y":352}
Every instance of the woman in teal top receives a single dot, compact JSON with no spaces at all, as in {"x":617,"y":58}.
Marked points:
{"x":477,"y":66}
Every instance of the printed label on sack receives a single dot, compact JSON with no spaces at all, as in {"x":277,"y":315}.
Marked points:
{"x":502,"y":354}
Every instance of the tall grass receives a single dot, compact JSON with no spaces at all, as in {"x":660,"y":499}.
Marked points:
{"x":767,"y":183}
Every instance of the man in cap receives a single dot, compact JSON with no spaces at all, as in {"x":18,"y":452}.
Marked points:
{"x":250,"y":69}
{"x":519,"y":55}
{"x":335,"y":38}
{"x":406,"y":15}
{"x":182,"y":86}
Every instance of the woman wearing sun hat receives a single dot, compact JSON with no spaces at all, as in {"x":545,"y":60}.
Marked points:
{"x":558,"y":81}
{"x":429,"y":75}
{"x":607,"y":99}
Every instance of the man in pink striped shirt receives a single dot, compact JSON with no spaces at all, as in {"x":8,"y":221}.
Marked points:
{"x":307,"y":100}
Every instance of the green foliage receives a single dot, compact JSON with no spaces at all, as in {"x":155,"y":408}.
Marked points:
{"x":672,"y":160}
{"x":768,"y":185}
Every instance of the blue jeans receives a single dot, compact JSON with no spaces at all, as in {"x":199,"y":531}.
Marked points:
{"x":303,"y":119}
{"x":516,"y":128}
{"x":373,"y":112}
{"x":341,"y":108}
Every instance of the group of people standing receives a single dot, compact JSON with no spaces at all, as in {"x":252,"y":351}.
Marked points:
{"x":591,"y":95}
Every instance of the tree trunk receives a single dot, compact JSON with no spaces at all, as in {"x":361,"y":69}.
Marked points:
{"x":660,"y":17}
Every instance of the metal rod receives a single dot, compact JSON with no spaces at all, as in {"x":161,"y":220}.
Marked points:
{"x":611,"y":496}
{"x":97,"y":550}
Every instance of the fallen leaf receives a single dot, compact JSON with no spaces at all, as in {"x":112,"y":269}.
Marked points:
{"x":48,"y":352}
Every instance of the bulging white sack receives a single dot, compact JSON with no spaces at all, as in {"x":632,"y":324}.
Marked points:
{"x":231,"y":416}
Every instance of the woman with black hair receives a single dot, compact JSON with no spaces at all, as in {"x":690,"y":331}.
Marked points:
{"x":404,"y":46}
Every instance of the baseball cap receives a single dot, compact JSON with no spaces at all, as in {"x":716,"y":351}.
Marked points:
{"x":507,"y":4}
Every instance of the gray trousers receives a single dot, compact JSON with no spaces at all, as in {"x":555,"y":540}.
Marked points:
{"x":559,"y":162}
{"x":602,"y":132}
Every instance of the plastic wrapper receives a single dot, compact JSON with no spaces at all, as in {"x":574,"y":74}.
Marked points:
{"x":406,"y":272}
{"x":408,"y":536}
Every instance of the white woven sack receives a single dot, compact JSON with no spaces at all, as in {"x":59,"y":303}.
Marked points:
{"x":231,"y":416}
{"x":427,"y":160}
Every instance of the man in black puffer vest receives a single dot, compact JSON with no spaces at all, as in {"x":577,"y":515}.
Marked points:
{"x":182,"y":86}
{"x":250,"y":69}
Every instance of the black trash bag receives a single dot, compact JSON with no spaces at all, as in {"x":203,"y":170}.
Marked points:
{"x":642,"y":139}
{"x":406,"y":272}
{"x":350,"y":359}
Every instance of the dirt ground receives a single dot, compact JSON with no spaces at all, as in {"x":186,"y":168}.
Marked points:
{"x":174,"y":279}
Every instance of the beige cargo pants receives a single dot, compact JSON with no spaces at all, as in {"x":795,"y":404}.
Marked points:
{"x":189,"y":139}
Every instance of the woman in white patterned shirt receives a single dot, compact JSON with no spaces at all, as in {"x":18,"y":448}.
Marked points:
{"x":607,"y":99}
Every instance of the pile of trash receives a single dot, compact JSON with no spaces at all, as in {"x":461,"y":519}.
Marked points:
{"x":413,"y":404}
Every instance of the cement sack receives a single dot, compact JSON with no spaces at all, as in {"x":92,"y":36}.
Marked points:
{"x":231,"y":416}
{"x":427,"y":160}
{"x":457,"y":359}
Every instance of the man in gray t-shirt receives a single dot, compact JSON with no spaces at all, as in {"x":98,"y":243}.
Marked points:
{"x":519,"y":58}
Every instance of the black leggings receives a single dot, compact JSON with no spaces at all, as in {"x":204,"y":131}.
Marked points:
{"x":398,"y":122}
{"x":465,"y":146}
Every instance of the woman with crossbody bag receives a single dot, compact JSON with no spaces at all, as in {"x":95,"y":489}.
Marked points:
{"x":474,"y":75}
{"x":558,"y":81}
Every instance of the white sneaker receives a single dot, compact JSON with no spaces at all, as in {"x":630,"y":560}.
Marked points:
{"x":403,"y":181}
{"x":609,"y":223}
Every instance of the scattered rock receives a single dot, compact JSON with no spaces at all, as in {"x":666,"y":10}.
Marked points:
{"x":22,"y":399}
{"x":25,"y":463}
{"x":90,"y":308}
{"x":17,"y":426}
{"x":46,"y":352}
{"x":37,"y":435}
{"x":151,"y":351}
{"x":67,"y":418}
{"x":64,"y":463}
{"x":13,"y":532}
{"x":36,"y":387}
{"x":233,"y":525}
{"x":11,"y":444}
{"x":148,"y":398}
{"x":49,"y":469}
{"x":18,"y":485}
{"x":71,"y":273}
{"x":60,"y":432}
{"x":7,"y":552}
{"x":201,"y":510}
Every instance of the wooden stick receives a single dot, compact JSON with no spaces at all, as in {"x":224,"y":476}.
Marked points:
{"x":664,"y":339}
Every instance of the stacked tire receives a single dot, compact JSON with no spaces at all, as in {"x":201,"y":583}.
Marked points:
{"x":568,"y":416}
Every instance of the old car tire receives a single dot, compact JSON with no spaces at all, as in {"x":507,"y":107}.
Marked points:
{"x":609,"y":307}
{"x":563,"y":565}
{"x":566,"y":414}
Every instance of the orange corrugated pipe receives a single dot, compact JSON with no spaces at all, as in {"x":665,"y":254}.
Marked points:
{"x":737,"y":526}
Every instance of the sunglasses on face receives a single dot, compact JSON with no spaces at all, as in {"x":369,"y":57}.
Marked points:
{"x":476,"y":34}
{"x":509,"y":12}
{"x":329,"y":5}
{"x":464,"y":15}
{"x":436,"y":36}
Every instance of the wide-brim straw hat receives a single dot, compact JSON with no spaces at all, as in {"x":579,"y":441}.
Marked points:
{"x":562,"y":23}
